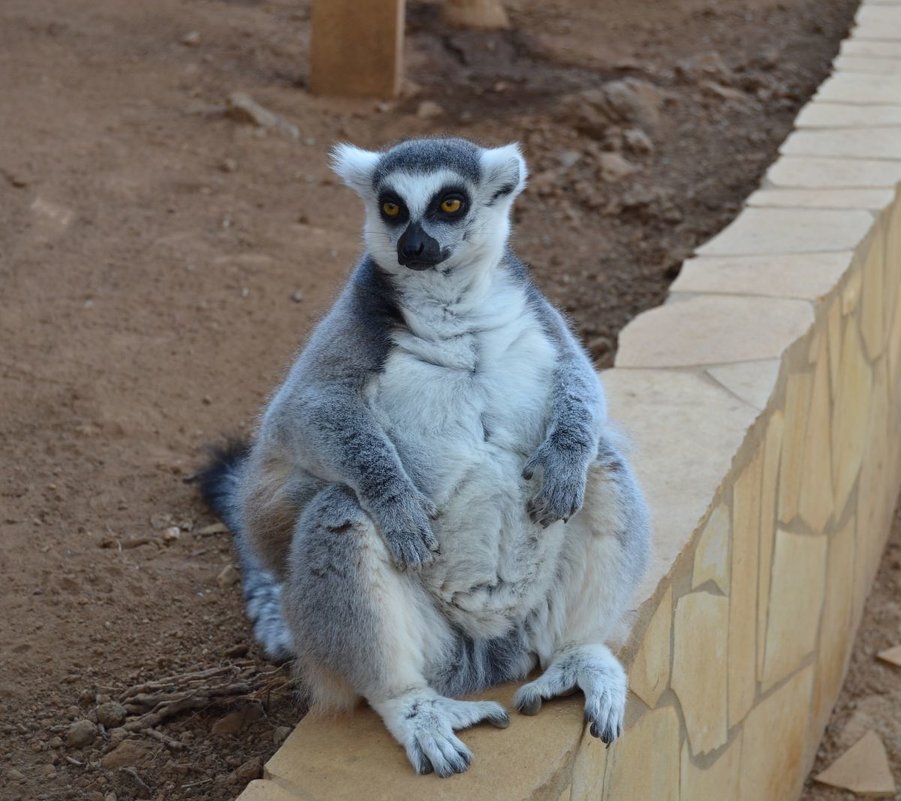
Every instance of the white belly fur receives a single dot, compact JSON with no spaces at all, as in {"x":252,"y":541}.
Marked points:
{"x":437,"y":399}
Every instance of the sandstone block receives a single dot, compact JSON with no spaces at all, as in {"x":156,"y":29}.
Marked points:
{"x":796,"y":598}
{"x":700,"y":634}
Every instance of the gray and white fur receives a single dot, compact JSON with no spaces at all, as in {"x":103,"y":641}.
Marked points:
{"x":436,"y":501}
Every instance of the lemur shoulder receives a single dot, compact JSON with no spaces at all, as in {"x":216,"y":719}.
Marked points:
{"x":435,"y":501}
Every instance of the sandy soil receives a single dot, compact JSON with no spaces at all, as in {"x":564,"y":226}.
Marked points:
{"x":161,"y":260}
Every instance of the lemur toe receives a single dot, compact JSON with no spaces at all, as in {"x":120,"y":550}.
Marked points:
{"x":527,"y":700}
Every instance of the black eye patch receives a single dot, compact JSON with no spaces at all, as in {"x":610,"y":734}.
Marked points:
{"x":449,"y":205}
{"x":392,"y":209}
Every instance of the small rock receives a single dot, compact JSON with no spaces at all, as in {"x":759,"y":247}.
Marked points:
{"x":244,"y":108}
{"x":170,"y":535}
{"x":116,"y":736}
{"x":112,"y":714}
{"x":55,"y":742}
{"x":161,"y":520}
{"x":280,"y":734}
{"x":229,"y":165}
{"x":429,"y":109}
{"x":127,"y":754}
{"x":638,"y":141}
{"x":615,"y":167}
{"x":568,"y":158}
{"x":191,"y":39}
{"x":231,"y":723}
{"x":722,"y":92}
{"x":15,"y":775}
{"x":708,"y":66}
{"x":297,"y":296}
{"x":110,"y":797}
{"x":251,"y":769}
{"x":80,"y":733}
{"x":227,"y":577}
{"x":47,"y":772}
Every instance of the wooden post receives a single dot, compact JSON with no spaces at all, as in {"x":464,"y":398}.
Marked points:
{"x":357,"y":47}
{"x":485,"y":14}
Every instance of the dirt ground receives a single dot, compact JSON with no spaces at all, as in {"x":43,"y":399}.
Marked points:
{"x":161,"y":258}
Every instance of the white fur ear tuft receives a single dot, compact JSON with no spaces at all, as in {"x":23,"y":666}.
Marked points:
{"x":504,"y":170}
{"x":354,"y":166}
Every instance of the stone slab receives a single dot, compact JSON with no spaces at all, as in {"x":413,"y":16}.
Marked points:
{"x":796,"y":598}
{"x":717,"y":782}
{"x":711,"y":562}
{"x":700,"y":670}
{"x":864,"y":143}
{"x":863,"y":769}
{"x":873,"y":199}
{"x":336,"y":758}
{"x":713,"y":329}
{"x":806,"y":276}
{"x":870,"y":49}
{"x":847,"y":115}
{"x":861,"y":89}
{"x":644,"y":763}
{"x":868,"y":66}
{"x":777,"y":231}
{"x":265,"y":790}
{"x":891,"y":656}
{"x":881,"y":23}
{"x":685,"y":432}
{"x":773,"y":759}
{"x":753,"y":382}
{"x":650,"y":669}
{"x":812,"y":172}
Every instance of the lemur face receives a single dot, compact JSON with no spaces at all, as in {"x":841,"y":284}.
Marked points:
{"x":434,"y":204}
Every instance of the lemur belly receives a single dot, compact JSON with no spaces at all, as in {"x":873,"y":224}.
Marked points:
{"x":465,"y":413}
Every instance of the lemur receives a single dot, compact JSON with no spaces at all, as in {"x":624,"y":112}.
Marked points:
{"x":435,"y":501}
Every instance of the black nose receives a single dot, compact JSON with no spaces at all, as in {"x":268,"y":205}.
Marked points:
{"x":416,"y":249}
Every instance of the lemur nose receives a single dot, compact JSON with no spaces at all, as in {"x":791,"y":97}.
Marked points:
{"x":416,"y":249}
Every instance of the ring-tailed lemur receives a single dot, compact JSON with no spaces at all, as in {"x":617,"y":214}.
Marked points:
{"x":435,"y":501}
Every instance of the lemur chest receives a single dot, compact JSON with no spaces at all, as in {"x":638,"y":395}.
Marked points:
{"x":465,"y":412}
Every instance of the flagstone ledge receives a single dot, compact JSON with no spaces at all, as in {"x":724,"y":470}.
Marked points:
{"x":762,"y":401}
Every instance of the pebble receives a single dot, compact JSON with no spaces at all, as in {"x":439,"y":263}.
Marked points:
{"x":615,"y":167}
{"x":127,"y":754}
{"x":171,"y":534}
{"x":111,"y":714}
{"x":638,"y":141}
{"x":227,"y":576}
{"x":280,"y":734}
{"x":80,"y":733}
{"x":191,"y":39}
{"x":297,"y":296}
{"x":15,"y":775}
{"x":251,"y":769}
{"x":429,"y":109}
{"x":229,"y":165}
{"x":231,"y":723}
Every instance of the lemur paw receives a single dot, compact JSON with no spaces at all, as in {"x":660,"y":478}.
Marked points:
{"x":426,"y":725}
{"x":563,"y":478}
{"x":407,"y":531}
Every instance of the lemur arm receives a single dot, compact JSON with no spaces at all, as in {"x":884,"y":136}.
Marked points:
{"x":577,"y":413}
{"x":323,"y":415}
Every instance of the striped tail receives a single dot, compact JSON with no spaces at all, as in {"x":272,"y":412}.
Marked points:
{"x":219,"y":482}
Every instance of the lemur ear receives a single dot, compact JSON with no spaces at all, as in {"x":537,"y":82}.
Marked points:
{"x":355,"y":167}
{"x":505,"y":171}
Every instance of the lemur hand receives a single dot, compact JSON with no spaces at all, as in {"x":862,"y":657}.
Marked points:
{"x":564,"y":473}
{"x":404,"y":521}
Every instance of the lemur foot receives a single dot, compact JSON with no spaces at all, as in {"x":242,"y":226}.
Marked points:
{"x":594,"y":670}
{"x":425,"y":723}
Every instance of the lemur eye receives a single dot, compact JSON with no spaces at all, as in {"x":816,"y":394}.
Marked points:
{"x":390,"y":209}
{"x":451,"y":205}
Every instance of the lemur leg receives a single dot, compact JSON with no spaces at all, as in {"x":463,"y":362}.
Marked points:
{"x":363,"y":628}
{"x":606,"y":552}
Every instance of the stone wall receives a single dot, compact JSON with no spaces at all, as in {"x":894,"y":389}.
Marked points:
{"x":764,"y":403}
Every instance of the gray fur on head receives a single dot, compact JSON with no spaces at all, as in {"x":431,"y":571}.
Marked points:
{"x":417,"y":174}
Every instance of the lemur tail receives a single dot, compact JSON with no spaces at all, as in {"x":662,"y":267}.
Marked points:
{"x":219,"y":482}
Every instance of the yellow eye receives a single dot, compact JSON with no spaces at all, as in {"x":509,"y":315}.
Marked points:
{"x":451,"y":205}
{"x":390,"y":209}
